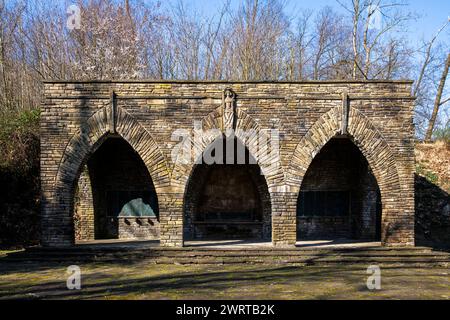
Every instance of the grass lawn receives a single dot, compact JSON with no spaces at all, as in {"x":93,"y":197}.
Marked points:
{"x":143,"y":280}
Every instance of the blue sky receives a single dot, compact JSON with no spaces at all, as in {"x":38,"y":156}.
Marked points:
{"x":432,"y":13}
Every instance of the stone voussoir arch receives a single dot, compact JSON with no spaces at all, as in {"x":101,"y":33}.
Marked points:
{"x":370,"y":142}
{"x":364,"y":135}
{"x":91,"y":135}
{"x":88,"y":139}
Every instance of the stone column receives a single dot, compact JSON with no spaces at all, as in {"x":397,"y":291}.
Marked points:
{"x":84,"y":223}
{"x":284,"y":219}
{"x":171,"y":219}
{"x":398,"y":213}
{"x":400,"y":224}
{"x":56,"y":222}
{"x":397,"y":229}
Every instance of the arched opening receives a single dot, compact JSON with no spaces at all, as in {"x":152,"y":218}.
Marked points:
{"x":115,"y":197}
{"x":227,"y":196}
{"x":339,"y":197}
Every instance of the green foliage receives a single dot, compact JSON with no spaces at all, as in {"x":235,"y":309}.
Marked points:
{"x":19,"y":138}
{"x":429,"y":175}
{"x":442,"y":134}
{"x":19,"y":178}
{"x":23,"y":121}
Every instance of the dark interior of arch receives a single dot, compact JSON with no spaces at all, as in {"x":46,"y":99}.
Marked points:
{"x":339,"y":196}
{"x":116,"y":197}
{"x":227,"y":198}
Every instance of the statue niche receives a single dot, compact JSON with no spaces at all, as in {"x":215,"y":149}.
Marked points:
{"x":228,"y":103}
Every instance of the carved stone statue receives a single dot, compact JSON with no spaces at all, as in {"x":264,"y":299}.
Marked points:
{"x":228,"y":99}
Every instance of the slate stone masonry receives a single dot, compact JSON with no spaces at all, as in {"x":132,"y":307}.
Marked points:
{"x":77,"y":117}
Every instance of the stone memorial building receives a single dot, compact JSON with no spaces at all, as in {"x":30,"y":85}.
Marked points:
{"x":291,"y":161}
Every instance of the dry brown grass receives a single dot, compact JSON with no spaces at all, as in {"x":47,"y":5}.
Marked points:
{"x":433,"y":162}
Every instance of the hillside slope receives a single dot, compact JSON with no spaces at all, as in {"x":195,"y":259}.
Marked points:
{"x":432,"y":188}
{"x":433,"y":163}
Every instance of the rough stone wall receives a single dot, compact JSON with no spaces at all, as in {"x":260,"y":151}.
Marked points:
{"x":432,"y":214}
{"x":367,"y":205}
{"x":77,"y":116}
{"x":138,"y":228}
{"x":227,"y":201}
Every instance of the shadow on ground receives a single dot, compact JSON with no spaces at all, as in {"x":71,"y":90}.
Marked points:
{"x":140,"y":280}
{"x":432,"y":219}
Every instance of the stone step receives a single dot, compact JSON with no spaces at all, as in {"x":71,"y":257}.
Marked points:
{"x":87,"y":248}
{"x":268,"y":251}
{"x":240,"y":260}
{"x":353,"y":260}
{"x":226,"y":254}
{"x":419,"y":255}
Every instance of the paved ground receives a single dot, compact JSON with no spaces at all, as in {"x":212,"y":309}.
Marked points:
{"x":148,"y":281}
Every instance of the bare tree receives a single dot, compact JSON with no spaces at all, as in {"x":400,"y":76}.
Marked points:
{"x":259,"y":28}
{"x":212,"y":40}
{"x":428,"y":79}
{"x":10,"y":20}
{"x":258,"y":39}
{"x":299,"y":42}
{"x":427,"y":59}
{"x":438,"y":102}
{"x":372,"y":20}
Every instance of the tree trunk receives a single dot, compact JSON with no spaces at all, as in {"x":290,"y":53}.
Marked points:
{"x":355,"y":37}
{"x":437,"y":102}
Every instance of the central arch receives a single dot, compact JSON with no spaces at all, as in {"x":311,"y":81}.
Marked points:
{"x":187,"y":176}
